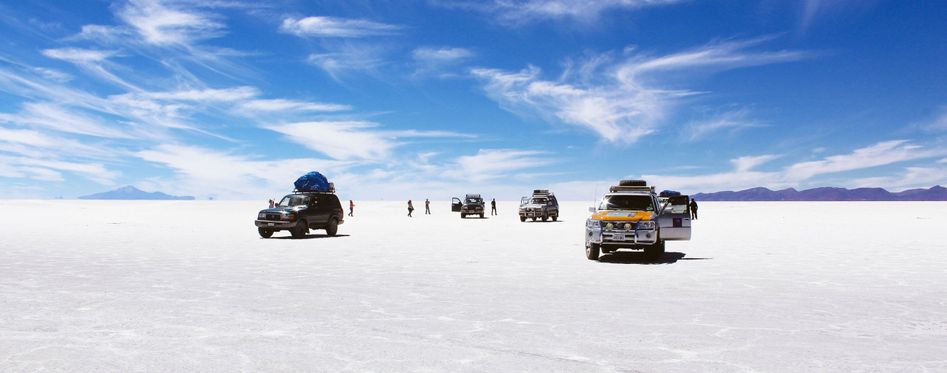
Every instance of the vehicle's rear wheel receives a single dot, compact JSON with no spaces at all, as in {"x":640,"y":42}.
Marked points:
{"x":554,"y":217}
{"x":265,"y":233}
{"x":332,"y":227}
{"x":522,"y":218}
{"x":534,"y":218}
{"x":481,"y":216}
{"x":545,"y":218}
{"x":592,"y":251}
{"x":462,"y":215}
{"x":300,"y":230}
{"x":655,"y":251}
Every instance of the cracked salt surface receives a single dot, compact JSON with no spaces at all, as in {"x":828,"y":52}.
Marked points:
{"x":189,"y":286}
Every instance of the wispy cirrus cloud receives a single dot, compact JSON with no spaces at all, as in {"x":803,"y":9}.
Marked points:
{"x":164,"y":23}
{"x":347,"y":58}
{"x":353,"y":140}
{"x":490,"y":164}
{"x":730,"y":121}
{"x":437,"y":60}
{"x":282,"y":105}
{"x":519,"y":12}
{"x":620,"y":99}
{"x":745,"y":169}
{"x":202,"y":171}
{"x":335,"y":27}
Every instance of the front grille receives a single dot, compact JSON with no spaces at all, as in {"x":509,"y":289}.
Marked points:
{"x":272,"y":216}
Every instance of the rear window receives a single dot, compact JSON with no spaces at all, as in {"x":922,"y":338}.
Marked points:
{"x":625,"y":202}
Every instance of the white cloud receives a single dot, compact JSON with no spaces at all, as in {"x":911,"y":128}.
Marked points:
{"x":744,"y":174}
{"x":747,"y":163}
{"x":612,"y":112}
{"x":333,"y":27}
{"x":621,"y":101}
{"x":440,"y":55}
{"x":524,"y":11}
{"x":58,"y":118}
{"x":209,"y":94}
{"x":78,"y":55}
{"x":275,"y":105}
{"x":347,"y":58}
{"x":489,"y":164}
{"x":200,"y":171}
{"x":48,"y":169}
{"x":730,"y":121}
{"x":714,"y":56}
{"x":162,"y":24}
{"x":351,"y":140}
{"x":880,"y":154}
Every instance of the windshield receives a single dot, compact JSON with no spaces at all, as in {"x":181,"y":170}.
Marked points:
{"x":473,"y":201}
{"x":624,"y":202}
{"x":294,"y":200}
{"x":539,"y":201}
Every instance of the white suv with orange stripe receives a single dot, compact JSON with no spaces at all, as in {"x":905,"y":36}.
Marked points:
{"x":631,"y":216}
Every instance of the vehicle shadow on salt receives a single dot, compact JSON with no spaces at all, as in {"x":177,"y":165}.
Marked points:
{"x":308,"y":237}
{"x":625,"y":257}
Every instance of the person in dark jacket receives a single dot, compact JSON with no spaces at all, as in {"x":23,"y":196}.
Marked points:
{"x":493,"y":207}
{"x":427,"y":206}
{"x":351,"y":208}
{"x":410,"y":208}
{"x":693,"y":209}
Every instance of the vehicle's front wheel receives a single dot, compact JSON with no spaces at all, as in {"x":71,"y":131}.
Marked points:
{"x":554,"y":217}
{"x":522,"y":218}
{"x":265,"y":233}
{"x":655,"y":251}
{"x":332,"y":227}
{"x":534,"y":218}
{"x":300,"y":230}
{"x":462,"y":215}
{"x":545,"y":218}
{"x":592,"y":251}
{"x":481,"y":216}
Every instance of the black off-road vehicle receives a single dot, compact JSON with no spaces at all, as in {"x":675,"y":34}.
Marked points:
{"x":472,"y":204}
{"x":301,"y":211}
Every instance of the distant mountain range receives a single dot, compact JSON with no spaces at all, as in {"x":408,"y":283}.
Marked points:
{"x":936,"y":193}
{"x":131,"y":193}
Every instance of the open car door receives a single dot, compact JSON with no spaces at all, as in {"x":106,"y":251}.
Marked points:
{"x":675,"y":220}
{"x":455,"y":204}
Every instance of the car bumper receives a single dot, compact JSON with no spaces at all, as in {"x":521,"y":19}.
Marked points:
{"x":275,"y":224}
{"x":622,"y":238}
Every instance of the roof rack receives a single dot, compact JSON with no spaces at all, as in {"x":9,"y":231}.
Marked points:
{"x":331,"y":190}
{"x":620,"y":188}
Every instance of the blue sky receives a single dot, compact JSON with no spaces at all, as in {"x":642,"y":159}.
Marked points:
{"x":402,"y":99}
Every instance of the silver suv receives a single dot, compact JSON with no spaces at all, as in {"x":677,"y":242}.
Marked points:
{"x":541,"y":205}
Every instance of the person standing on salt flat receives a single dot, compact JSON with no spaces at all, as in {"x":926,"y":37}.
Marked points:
{"x":427,"y":206}
{"x":493,"y":207}
{"x":351,"y":208}
{"x":410,"y":208}
{"x":272,"y":203}
{"x":693,"y":209}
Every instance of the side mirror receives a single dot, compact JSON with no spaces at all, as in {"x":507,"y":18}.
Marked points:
{"x":592,"y":209}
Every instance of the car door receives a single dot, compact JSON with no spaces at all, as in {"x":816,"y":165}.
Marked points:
{"x":675,"y":220}
{"x":318,"y":210}
{"x":456,"y":204}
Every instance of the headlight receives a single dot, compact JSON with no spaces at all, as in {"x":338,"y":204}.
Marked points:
{"x":646,"y":224}
{"x":628,"y":226}
{"x":262,"y":215}
{"x":609,"y":226}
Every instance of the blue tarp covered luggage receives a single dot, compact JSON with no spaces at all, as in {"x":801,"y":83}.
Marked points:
{"x":312,"y":182}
